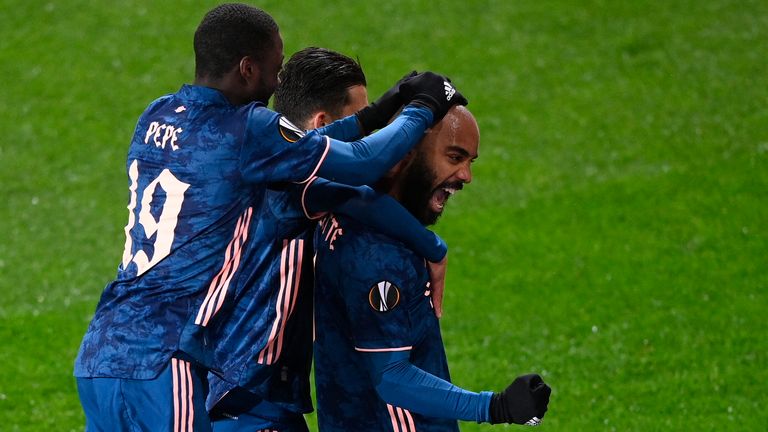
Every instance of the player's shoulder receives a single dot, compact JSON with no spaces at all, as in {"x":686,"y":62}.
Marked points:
{"x":354,"y":241}
{"x":257,"y":111}
{"x":364,"y":261}
{"x":361,"y":233}
{"x":264,"y":122}
{"x":158,"y":103}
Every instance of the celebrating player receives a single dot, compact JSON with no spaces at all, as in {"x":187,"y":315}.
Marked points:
{"x":266,"y":342}
{"x":379,"y":358}
{"x":198,"y":168}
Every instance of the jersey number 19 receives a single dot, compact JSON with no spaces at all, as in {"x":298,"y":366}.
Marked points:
{"x":163,"y":228}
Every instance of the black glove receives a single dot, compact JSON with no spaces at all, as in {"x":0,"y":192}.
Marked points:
{"x":432,"y":91}
{"x":523,"y":402}
{"x":377,"y":115}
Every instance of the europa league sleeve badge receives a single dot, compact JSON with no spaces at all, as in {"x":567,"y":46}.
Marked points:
{"x":384,"y":296}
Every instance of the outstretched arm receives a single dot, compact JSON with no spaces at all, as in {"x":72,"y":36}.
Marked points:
{"x":364,"y":161}
{"x":377,"y":210}
{"x":374,"y":116}
{"x":345,"y":129}
{"x":299,"y":157}
{"x":429,"y":97}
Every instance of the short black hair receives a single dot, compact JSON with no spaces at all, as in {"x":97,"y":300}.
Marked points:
{"x":316,"y":79}
{"x":228,"y":33}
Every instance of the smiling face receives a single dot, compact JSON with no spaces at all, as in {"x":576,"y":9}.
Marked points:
{"x":439,"y":166}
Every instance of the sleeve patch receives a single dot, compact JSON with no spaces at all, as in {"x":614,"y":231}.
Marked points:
{"x":288,"y":130}
{"x":384,"y":296}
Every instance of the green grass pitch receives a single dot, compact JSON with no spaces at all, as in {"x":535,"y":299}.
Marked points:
{"x":614,"y":239}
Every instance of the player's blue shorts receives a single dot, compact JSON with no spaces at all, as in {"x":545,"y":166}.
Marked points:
{"x":239,"y":412}
{"x":174,"y":401}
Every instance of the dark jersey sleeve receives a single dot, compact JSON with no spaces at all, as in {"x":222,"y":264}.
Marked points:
{"x":400,"y":383}
{"x":379,"y":211}
{"x":380,"y":283}
{"x":346,"y":129}
{"x":276,"y":151}
{"x":364,"y":161}
{"x":383,"y":296}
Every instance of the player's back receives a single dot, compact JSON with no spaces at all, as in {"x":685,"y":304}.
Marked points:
{"x":265,"y":344}
{"x":197,"y":167}
{"x":371,"y":295}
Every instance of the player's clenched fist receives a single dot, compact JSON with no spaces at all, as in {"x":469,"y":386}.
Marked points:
{"x":432,"y":91}
{"x":523,"y":402}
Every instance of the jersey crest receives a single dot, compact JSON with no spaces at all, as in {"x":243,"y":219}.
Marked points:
{"x":384,"y":296}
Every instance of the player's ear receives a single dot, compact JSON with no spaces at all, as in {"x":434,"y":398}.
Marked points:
{"x":320,"y":119}
{"x":249,"y":70}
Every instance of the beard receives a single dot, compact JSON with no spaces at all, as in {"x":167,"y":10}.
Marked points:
{"x":417,"y":189}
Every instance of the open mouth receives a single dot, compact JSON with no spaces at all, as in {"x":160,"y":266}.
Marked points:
{"x":441,"y":194}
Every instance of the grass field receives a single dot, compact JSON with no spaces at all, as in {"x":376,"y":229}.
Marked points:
{"x":614,"y":239}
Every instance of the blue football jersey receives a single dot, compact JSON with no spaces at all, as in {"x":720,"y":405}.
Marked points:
{"x":371,"y":295}
{"x":265,"y":341}
{"x":198,"y":169}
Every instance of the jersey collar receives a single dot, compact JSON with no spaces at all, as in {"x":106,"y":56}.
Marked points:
{"x":204,"y":95}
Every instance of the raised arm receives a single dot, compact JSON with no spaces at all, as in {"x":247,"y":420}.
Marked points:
{"x":374,"y":116}
{"x":276,"y":151}
{"x":364,"y":161}
{"x":429,"y":97}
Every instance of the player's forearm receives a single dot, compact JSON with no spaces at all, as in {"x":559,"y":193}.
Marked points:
{"x":376,"y":210}
{"x":400,"y":383}
{"x":322,"y":196}
{"x":346,"y":129}
{"x":416,"y":390}
{"x":387,"y":216}
{"x":364,"y":161}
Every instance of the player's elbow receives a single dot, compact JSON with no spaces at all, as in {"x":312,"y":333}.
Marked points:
{"x":388,"y":393}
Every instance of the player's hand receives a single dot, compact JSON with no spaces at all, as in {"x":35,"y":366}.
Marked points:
{"x":377,"y":115}
{"x":437,"y":283}
{"x":432,"y":91}
{"x":523,"y":402}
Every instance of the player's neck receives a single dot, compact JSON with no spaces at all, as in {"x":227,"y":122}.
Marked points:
{"x":228,"y":85}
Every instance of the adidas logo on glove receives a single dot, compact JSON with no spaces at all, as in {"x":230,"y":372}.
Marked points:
{"x":449,"y":90}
